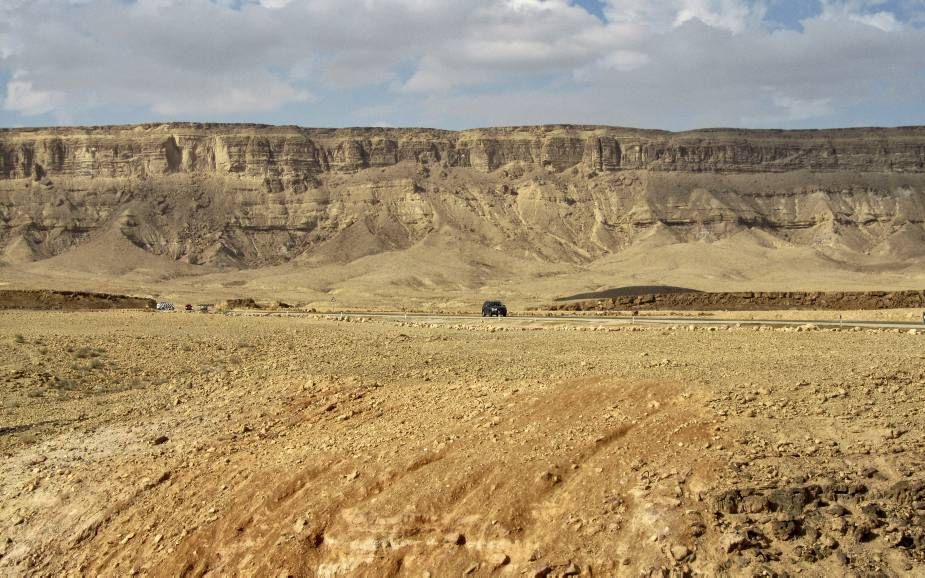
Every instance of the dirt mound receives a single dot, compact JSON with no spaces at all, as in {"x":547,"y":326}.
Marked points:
{"x":70,"y":300}
{"x":632,"y":291}
{"x":752,"y":301}
{"x":239,"y":303}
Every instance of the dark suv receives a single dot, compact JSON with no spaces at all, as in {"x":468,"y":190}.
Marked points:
{"x":494,"y":308}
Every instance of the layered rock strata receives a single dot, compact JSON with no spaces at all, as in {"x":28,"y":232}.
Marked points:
{"x":251,"y":195}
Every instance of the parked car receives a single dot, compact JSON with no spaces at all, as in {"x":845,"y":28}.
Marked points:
{"x":494,"y":309}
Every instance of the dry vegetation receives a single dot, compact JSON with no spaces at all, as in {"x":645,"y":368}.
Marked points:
{"x":162,"y":444}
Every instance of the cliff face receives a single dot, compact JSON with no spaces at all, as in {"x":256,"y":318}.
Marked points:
{"x":261,"y":151}
{"x":247,"y":195}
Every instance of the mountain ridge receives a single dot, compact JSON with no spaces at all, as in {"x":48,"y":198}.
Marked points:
{"x":246,"y":196}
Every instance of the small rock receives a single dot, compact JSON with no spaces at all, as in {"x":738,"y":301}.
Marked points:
{"x":161,"y":439}
{"x":784,"y":529}
{"x":36,"y":461}
{"x":500,"y":559}
{"x":734,"y":541}
{"x":550,"y":478}
{"x":838,"y":510}
{"x":839,"y":525}
{"x":148,"y":483}
{"x":862,"y":534}
{"x":455,"y":538}
{"x":679,"y":552}
{"x":471,"y":569}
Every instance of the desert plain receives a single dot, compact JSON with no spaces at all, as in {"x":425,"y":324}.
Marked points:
{"x":142,"y":443}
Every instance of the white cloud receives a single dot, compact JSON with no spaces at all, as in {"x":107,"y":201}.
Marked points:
{"x":862,"y":11}
{"x":274,"y":3}
{"x":802,"y":109}
{"x":261,"y":97}
{"x":731,"y":15}
{"x":659,"y":63}
{"x":23,"y":98}
{"x":883,"y":20}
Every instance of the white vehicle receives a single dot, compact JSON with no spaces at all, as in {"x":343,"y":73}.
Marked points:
{"x":165,"y":306}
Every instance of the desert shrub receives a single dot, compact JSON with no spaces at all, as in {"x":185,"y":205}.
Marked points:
{"x":87,"y":352}
{"x":19,"y":338}
{"x":64,"y":384}
{"x":127,"y":385}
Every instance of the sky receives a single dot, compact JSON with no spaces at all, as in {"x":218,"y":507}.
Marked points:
{"x":454,"y":64}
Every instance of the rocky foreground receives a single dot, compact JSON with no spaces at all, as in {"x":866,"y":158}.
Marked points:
{"x":159,"y":444}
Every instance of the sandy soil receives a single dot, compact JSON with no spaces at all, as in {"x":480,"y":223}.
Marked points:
{"x":442,"y":275}
{"x":165,"y":444}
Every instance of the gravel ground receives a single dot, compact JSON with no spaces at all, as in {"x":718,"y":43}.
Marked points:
{"x":165,"y":444}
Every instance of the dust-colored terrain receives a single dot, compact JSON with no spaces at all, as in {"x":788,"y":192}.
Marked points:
{"x":163,"y":444}
{"x":166,"y":444}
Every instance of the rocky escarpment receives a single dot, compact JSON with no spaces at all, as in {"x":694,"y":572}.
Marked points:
{"x":253,"y":150}
{"x":249,"y":195}
{"x":70,"y":301}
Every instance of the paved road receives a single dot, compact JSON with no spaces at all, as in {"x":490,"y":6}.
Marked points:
{"x":627,"y":320}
